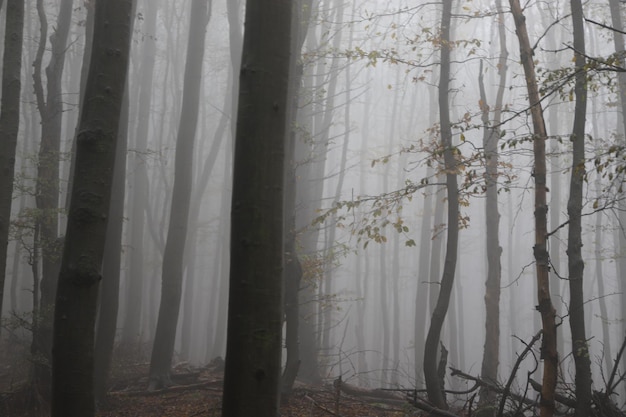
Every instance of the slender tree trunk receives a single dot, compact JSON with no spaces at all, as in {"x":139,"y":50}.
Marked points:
{"x":293,"y":268}
{"x":433,"y":385}
{"x":580,"y":348}
{"x":77,"y":293}
{"x":9,"y":124}
{"x":47,"y":187}
{"x":173,"y":257}
{"x":425,"y":261}
{"x":549,"y":352}
{"x":134,"y":294}
{"x":491,"y":136}
{"x":423,"y":286}
{"x":620,"y":49}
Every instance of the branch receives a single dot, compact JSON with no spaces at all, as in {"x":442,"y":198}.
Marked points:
{"x":602,"y":25}
{"x":610,"y":386}
{"x":520,"y":358}
{"x":570,"y":402}
{"x":491,"y":386}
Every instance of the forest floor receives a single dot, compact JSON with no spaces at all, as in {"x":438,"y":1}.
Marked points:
{"x":198,"y":393}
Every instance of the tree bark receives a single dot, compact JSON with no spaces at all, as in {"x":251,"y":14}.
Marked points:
{"x":173,"y":256}
{"x":253,"y":352}
{"x":433,"y":384}
{"x":491,"y":137}
{"x":50,"y":106}
{"x":112,"y":257}
{"x":620,"y":49}
{"x":549,"y":352}
{"x":293,"y":268}
{"x":131,"y":333}
{"x":580,"y":348}
{"x":9,"y":124}
{"x":77,"y":293}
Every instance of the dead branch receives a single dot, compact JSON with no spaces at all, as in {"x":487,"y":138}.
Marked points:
{"x":568,"y":401}
{"x":507,"y":388}
{"x":491,"y":386}
{"x":321,"y":407}
{"x":378,"y":394}
{"x":393,"y":398}
{"x":208,"y":385}
{"x":610,"y":386}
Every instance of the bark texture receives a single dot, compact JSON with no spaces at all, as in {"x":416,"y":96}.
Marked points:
{"x":131,"y":333}
{"x":253,"y":351}
{"x":620,"y":48}
{"x":9,"y":123}
{"x":580,"y":348}
{"x":431,"y":375}
{"x":50,"y":105}
{"x":549,"y":352}
{"x":77,"y":292}
{"x":491,"y":137}
{"x":173,"y":256}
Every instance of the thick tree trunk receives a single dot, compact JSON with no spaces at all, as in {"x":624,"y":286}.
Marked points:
{"x":253,"y":352}
{"x":433,"y":382}
{"x":112,"y":260}
{"x":580,"y":348}
{"x":173,"y":256}
{"x":77,"y":293}
{"x":9,"y":124}
{"x":549,"y":352}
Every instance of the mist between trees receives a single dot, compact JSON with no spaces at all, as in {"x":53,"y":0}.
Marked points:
{"x":420,"y":196}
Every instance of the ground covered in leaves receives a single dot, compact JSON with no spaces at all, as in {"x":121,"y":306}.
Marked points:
{"x":198,"y":393}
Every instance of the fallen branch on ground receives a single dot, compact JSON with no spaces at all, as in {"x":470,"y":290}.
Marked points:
{"x":393,"y":398}
{"x":208,"y":385}
{"x":491,"y":386}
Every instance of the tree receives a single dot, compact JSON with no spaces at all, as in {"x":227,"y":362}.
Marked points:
{"x":431,"y":374}
{"x":106,"y":327}
{"x":292,"y":275}
{"x":549,"y":351}
{"x":620,"y":48}
{"x":77,"y":292}
{"x":139,"y":196}
{"x":491,"y":136}
{"x":253,"y":349}
{"x":173,"y":256}
{"x":9,"y":122}
{"x":580,"y":348}
{"x":51,"y":107}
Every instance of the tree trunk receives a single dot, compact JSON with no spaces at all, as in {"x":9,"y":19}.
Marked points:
{"x":580,"y":348}
{"x":134,"y":294}
{"x":432,"y":379}
{"x":9,"y":124}
{"x":112,"y":260}
{"x":491,"y":137}
{"x":253,"y":351}
{"x":549,"y":352}
{"x":77,"y":293}
{"x":47,"y":187}
{"x":620,"y":49}
{"x":293,"y":268}
{"x":173,"y":256}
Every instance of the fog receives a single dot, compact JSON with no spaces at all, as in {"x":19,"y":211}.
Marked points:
{"x":370,"y":200}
